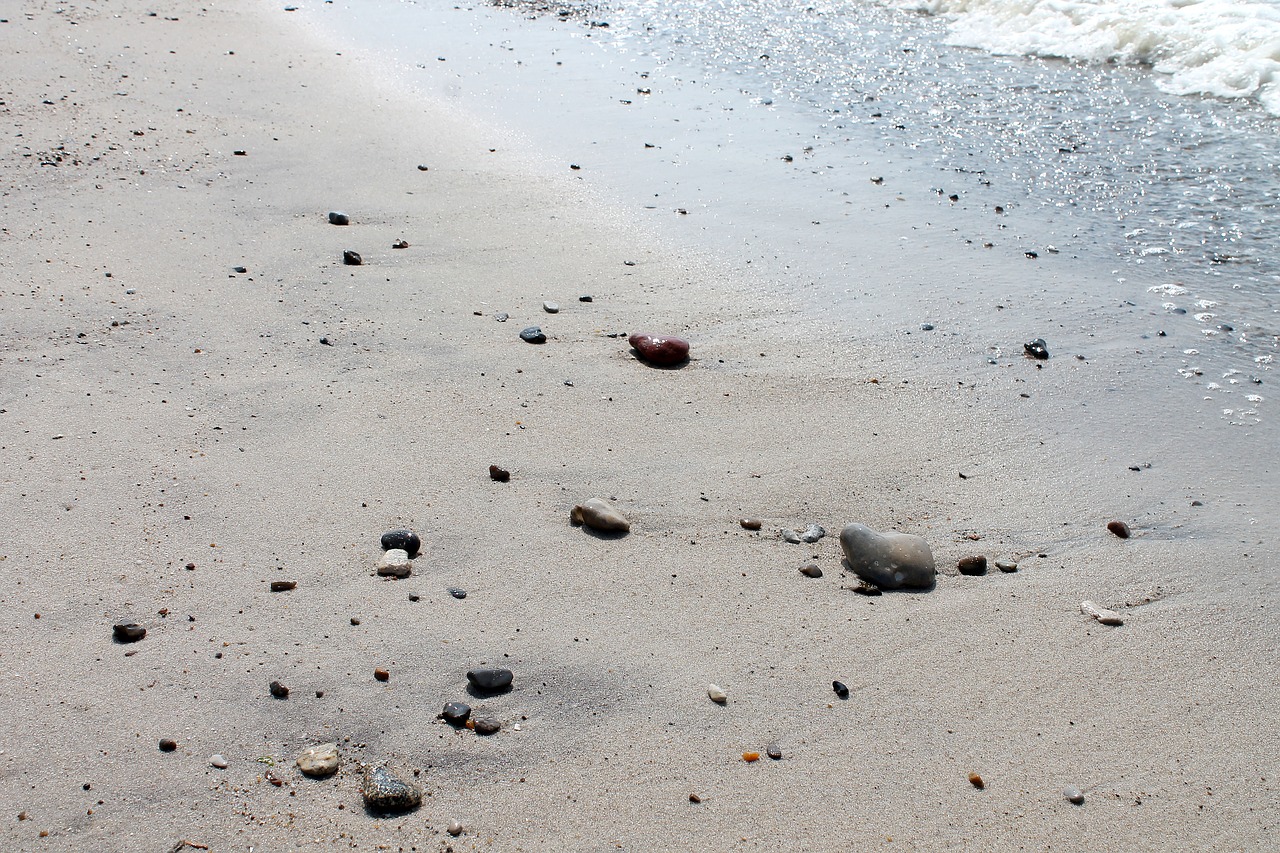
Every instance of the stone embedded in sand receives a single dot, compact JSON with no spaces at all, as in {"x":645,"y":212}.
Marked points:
{"x":490,"y":679}
{"x":889,"y":560}
{"x":457,"y":592}
{"x":168,"y":744}
{"x":278,"y":690}
{"x":792,"y":536}
{"x":660,"y":350}
{"x":1036,"y":349}
{"x":381,"y":674}
{"x":1074,"y":795}
{"x":599,"y":514}
{"x":1007,"y":563}
{"x":866,"y":588}
{"x":1102,"y":614}
{"x":352,"y":259}
{"x":1119,"y":528}
{"x":716,"y":694}
{"x":128,"y":632}
{"x":976,"y":781}
{"x":454,"y":828}
{"x":973,"y":566}
{"x":773,"y":751}
{"x":283,"y":586}
{"x":455,"y":713}
{"x":319,"y":761}
{"x":405,"y":540}
{"x":811,"y":570}
{"x":500,"y":475}
{"x":216,"y":760}
{"x":337,"y":217}
{"x":395,"y":564}
{"x":812,"y":533}
{"x":533,"y":335}
{"x":384,"y":791}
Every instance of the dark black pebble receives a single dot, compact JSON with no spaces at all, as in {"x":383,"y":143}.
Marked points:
{"x":502,"y":475}
{"x":326,"y":342}
{"x":422,"y":168}
{"x":240,"y":269}
{"x":584,"y":298}
{"x":533,"y":335}
{"x":455,"y":713}
{"x":413,"y":596}
{"x":278,"y":690}
{"x":487,"y":726}
{"x":1037,"y":348}
{"x":867,"y":588}
{"x":841,"y":690}
{"x":168,"y":744}
{"x":490,"y":680}
{"x":352,"y":259}
{"x":457,"y":593}
{"x":337,"y":217}
{"x":403,"y":539}
{"x":128,"y":632}
{"x":283,"y":586}
{"x":773,"y":751}
{"x":926,"y":327}
{"x":976,"y":565}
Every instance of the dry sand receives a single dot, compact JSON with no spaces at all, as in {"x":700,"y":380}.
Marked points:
{"x":159,"y":410}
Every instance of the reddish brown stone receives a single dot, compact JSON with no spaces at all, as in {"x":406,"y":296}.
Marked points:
{"x":1119,"y":528}
{"x":660,"y":350}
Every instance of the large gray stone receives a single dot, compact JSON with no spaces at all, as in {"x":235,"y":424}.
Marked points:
{"x":889,"y":560}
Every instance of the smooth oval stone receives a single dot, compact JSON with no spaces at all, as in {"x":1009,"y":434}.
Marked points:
{"x":811,"y":570}
{"x":490,"y":679}
{"x":455,"y":713}
{"x":454,"y":828}
{"x":487,"y":726}
{"x":533,"y":335}
{"x":405,"y":540}
{"x":168,"y":744}
{"x":283,"y":586}
{"x":551,"y":307}
{"x":716,"y":694}
{"x":1074,"y":795}
{"x":1102,"y":614}
{"x":457,"y":592}
{"x":976,"y":565}
{"x":128,"y":632}
{"x":660,"y":350}
{"x":319,"y":761}
{"x":773,"y":751}
{"x":599,"y":514}
{"x":1119,"y":528}
{"x":1007,"y":564}
{"x":395,"y":564}
{"x":218,"y":761}
{"x":337,"y":217}
{"x":750,"y":523}
{"x":1037,"y":348}
{"x":384,"y":791}
{"x":352,"y":259}
{"x":889,"y":560}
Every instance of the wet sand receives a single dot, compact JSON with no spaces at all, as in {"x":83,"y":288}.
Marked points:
{"x":162,"y":411}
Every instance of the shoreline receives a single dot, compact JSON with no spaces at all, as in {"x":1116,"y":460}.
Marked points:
{"x":212,"y":427}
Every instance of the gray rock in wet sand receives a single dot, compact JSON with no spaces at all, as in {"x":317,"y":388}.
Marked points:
{"x":889,"y":560}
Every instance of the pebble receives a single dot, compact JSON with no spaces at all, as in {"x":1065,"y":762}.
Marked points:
{"x":926,"y":327}
{"x":1119,"y":528}
{"x":750,"y":757}
{"x":490,"y":679}
{"x":381,"y":674}
{"x":455,"y":713}
{"x":454,"y":828}
{"x":500,"y":475}
{"x":128,"y":632}
{"x":319,"y":761}
{"x":501,"y":316}
{"x":395,"y":563}
{"x":791,"y":536}
{"x":750,"y":523}
{"x":976,"y":781}
{"x":352,"y":259}
{"x":972,"y":566}
{"x":813,"y":533}
{"x":586,"y":297}
{"x":693,"y":798}
{"x":405,"y":540}
{"x":660,"y":350}
{"x":458,"y":592}
{"x":168,"y":744}
{"x":422,"y":167}
{"x":218,"y":761}
{"x":533,"y":335}
{"x":867,"y":588}
{"x":811,"y":570}
{"x":278,"y":690}
{"x":1074,"y":795}
{"x":487,"y":726}
{"x":889,"y":560}
{"x":599,"y":514}
{"x":551,"y":307}
{"x":337,"y":217}
{"x":384,"y":791}
{"x":1036,"y":349}
{"x":716,"y":694}
{"x":1007,"y":564}
{"x":240,"y":269}
{"x":283,"y":586}
{"x":1102,"y":614}
{"x":400,"y":244}
{"x":841,"y":689}
{"x":773,"y":751}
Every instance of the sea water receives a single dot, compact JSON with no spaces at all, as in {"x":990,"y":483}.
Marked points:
{"x":1108,"y":169}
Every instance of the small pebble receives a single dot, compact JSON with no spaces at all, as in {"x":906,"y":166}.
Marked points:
{"x":490,"y":679}
{"x":841,"y":690}
{"x":319,"y":761}
{"x":422,"y":168}
{"x":1006,"y":564}
{"x":976,"y":781}
{"x":750,"y":757}
{"x":405,"y":540}
{"x":972,"y":566}
{"x":599,"y":515}
{"x":455,"y":713}
{"x":240,"y":269}
{"x":384,"y":791}
{"x":867,"y":588}
{"x":750,"y":523}
{"x":695,"y":799}
{"x":773,"y":751}
{"x":218,"y":761}
{"x":395,"y":564}
{"x":283,"y":586}
{"x":497,"y":474}
{"x":533,"y":335}
{"x":400,"y":244}
{"x":789,"y":536}
{"x":337,"y":217}
{"x":717,"y":695}
{"x":1102,"y":614}
{"x":278,"y":690}
{"x":455,"y":828}
{"x":487,"y":726}
{"x":551,"y":307}
{"x":811,"y":570}
{"x":1119,"y":528}
{"x":1074,"y":795}
{"x":501,"y":316}
{"x":660,"y":350}
{"x":381,"y":674}
{"x":457,"y":592}
{"x":584,"y":298}
{"x":352,"y":259}
{"x":128,"y":632}
{"x":168,"y":744}
{"x":1037,"y":349}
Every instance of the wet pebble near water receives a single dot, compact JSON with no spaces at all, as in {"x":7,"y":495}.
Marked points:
{"x":385,"y":792}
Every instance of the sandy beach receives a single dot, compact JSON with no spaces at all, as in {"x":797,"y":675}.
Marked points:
{"x":200,"y":398}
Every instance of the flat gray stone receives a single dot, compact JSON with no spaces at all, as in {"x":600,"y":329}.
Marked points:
{"x":889,"y":560}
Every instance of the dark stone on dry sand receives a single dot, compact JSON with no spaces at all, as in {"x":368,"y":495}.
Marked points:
{"x":972,"y":565}
{"x":841,"y":690}
{"x":386,"y":793}
{"x":283,"y":586}
{"x":337,"y":217}
{"x":278,"y":690}
{"x":660,"y":350}
{"x":455,"y":713}
{"x":1037,"y":348}
{"x":457,"y":592}
{"x":502,"y":475}
{"x":533,"y":335}
{"x":1119,"y":528}
{"x":128,"y":632}
{"x":490,"y":680}
{"x":168,"y":744}
{"x":406,"y":540}
{"x":352,"y":259}
{"x":487,"y":726}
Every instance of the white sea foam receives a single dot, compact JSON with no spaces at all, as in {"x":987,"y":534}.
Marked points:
{"x":1224,"y":48}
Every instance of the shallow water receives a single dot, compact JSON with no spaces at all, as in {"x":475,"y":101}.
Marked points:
{"x":853,"y":156}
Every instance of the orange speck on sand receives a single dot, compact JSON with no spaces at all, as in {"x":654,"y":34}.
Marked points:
{"x":750,"y":756}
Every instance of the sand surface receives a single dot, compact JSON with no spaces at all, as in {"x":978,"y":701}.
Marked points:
{"x":174,"y":436}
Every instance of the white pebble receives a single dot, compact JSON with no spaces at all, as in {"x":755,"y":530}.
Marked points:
{"x":218,"y":761}
{"x":1102,"y":614}
{"x":716,"y":694}
{"x":551,"y":307}
{"x":455,"y":827}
